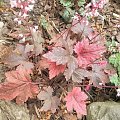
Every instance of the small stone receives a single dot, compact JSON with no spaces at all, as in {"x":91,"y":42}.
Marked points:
{"x":103,"y":111}
{"x":12,"y":111}
{"x":114,"y":33}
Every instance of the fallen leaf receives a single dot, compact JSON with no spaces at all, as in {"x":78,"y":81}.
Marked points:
{"x":70,"y":117}
{"x":29,"y":48}
{"x":45,"y":23}
{"x":18,"y":57}
{"x":37,"y":42}
{"x":1,"y":25}
{"x":4,"y":51}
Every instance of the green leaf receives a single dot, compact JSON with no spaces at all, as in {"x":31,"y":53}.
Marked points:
{"x":115,"y":79}
{"x":112,"y":45}
{"x":1,"y":3}
{"x":118,"y":69}
{"x":81,"y":3}
{"x":81,"y":11}
{"x":68,"y":14}
{"x":115,"y":59}
{"x":43,"y":22}
{"x":66,"y":3}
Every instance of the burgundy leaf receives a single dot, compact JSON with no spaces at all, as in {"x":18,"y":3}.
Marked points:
{"x":98,"y":75}
{"x":72,"y":65}
{"x":50,"y":102}
{"x":79,"y":75}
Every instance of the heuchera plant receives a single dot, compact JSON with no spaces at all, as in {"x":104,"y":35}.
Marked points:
{"x":76,"y":100}
{"x":69,"y":53}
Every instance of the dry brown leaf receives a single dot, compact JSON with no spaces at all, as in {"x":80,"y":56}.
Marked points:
{"x":4,"y":51}
{"x":118,"y":37}
{"x":69,"y":117}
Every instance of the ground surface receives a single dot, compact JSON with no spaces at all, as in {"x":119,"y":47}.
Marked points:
{"x":52,"y":9}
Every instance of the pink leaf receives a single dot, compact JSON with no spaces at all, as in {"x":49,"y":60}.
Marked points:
{"x":87,"y":52}
{"x":61,"y":58}
{"x":18,"y":85}
{"x":76,"y":100}
{"x":55,"y":70}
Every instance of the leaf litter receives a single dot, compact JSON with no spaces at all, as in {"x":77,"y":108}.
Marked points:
{"x":58,"y":63}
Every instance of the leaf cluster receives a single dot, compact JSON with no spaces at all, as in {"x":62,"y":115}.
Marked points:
{"x":112,"y":46}
{"x":114,"y":59}
{"x":69,"y":12}
{"x":75,"y":53}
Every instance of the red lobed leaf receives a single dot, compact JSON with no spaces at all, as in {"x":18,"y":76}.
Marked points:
{"x":55,"y":70}
{"x":87,"y":53}
{"x":98,"y":75}
{"x":60,"y":58}
{"x":76,"y":100}
{"x":18,"y":85}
